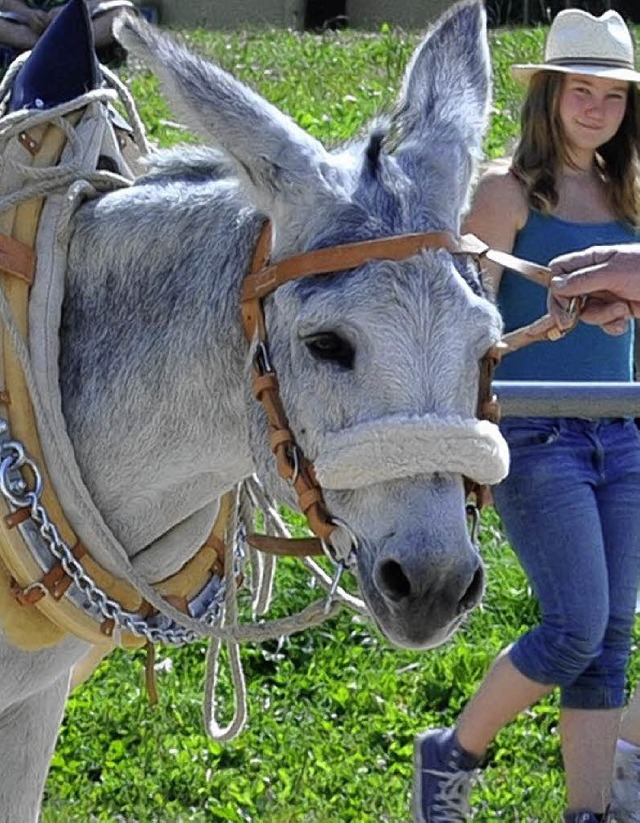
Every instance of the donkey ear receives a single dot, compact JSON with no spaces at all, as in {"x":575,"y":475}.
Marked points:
{"x":272,"y":153}
{"x":444,"y":106}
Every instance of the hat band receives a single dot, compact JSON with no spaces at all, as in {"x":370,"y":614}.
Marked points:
{"x":591,"y":61}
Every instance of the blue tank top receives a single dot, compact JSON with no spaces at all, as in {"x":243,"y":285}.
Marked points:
{"x":584,"y":354}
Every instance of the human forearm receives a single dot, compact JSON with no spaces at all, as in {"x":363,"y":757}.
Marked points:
{"x":34,"y":19}
{"x":19,"y":37}
{"x":102,"y":29}
{"x":14,"y":5}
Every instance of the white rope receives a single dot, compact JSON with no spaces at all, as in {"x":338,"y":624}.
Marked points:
{"x":126,"y":98}
{"x":222,"y":734}
{"x":274,"y":523}
{"x":263,"y":566}
{"x":15,"y":121}
{"x":230,"y":615}
{"x":116,"y":90}
{"x":48,"y":179}
{"x":230,"y":631}
{"x":7,"y":80}
{"x":264,"y":596}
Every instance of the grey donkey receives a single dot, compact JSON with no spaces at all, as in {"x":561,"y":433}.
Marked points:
{"x":154,"y":367}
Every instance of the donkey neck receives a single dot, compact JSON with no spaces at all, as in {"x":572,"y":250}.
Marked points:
{"x":153,"y":357}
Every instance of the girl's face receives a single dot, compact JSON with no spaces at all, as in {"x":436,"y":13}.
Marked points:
{"x":591,"y":110}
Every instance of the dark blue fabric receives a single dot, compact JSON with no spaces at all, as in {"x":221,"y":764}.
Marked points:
{"x":62,"y":64}
{"x":7,"y":56}
{"x":571,"y":509}
{"x":587,"y":353}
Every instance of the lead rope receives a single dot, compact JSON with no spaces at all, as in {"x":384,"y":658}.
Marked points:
{"x":229,"y":630}
{"x":66,"y":175}
{"x":263,"y":566}
{"x":235,"y":553}
{"x":249,"y":496}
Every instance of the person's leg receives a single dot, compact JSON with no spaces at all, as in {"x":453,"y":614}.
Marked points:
{"x":625,"y":787}
{"x":503,"y":694}
{"x":446,"y":759}
{"x":626,"y":774}
{"x":600,"y":555}
{"x":549,"y":512}
{"x":588,"y":747}
{"x":550,"y":486}
{"x":16,"y":36}
{"x":592,"y":704}
{"x":630,"y":725}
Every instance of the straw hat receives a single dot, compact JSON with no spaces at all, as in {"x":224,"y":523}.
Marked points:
{"x":579,"y":43}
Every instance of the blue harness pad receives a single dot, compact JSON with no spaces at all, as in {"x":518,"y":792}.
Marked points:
{"x":62,"y":65}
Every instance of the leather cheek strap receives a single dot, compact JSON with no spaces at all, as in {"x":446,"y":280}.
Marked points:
{"x":264,"y":278}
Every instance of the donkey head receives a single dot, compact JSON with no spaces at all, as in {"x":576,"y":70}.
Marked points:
{"x":372,"y":361}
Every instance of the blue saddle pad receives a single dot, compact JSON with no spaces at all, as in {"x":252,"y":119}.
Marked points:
{"x":62,"y":65}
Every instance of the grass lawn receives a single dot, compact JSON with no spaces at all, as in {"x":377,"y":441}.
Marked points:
{"x":333,"y":712}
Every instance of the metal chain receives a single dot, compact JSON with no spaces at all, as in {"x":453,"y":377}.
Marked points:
{"x":14,"y":488}
{"x":22,"y":494}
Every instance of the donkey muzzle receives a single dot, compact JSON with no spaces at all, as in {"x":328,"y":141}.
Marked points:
{"x":400,"y":446}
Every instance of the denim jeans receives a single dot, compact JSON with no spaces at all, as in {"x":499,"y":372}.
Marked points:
{"x":571,"y":510}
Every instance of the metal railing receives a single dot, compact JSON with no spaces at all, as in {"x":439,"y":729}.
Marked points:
{"x":541,"y":399}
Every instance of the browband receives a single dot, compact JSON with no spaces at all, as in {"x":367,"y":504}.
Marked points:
{"x":266,"y":277}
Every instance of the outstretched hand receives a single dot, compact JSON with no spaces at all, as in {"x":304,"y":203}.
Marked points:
{"x":607,"y":278}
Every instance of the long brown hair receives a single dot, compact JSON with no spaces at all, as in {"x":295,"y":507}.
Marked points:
{"x":542,"y":147}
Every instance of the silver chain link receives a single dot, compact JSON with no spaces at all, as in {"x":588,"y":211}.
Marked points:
{"x":14,"y":487}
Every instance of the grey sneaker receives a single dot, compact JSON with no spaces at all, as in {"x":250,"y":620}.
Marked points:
{"x":625,"y":788}
{"x":443,"y":775}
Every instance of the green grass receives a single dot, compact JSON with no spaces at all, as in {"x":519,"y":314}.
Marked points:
{"x":333,"y":712}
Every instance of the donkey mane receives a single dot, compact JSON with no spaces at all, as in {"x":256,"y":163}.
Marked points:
{"x":188,"y":163}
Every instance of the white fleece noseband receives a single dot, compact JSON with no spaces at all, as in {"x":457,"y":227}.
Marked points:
{"x":398,"y":446}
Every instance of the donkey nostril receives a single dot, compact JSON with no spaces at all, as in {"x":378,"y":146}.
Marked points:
{"x":473,"y":592}
{"x":393,"y":582}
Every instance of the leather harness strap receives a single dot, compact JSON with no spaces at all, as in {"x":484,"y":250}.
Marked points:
{"x":23,"y":583}
{"x":289,"y":547}
{"x":292,"y":465}
{"x":265,"y":277}
{"x":545,"y":327}
{"x":532,"y":271}
{"x":340,"y":258}
{"x":17,"y":259}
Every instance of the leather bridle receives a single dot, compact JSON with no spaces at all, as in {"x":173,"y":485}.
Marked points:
{"x":265,"y":277}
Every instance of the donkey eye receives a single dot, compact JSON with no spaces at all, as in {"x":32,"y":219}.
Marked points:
{"x":330,"y":347}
